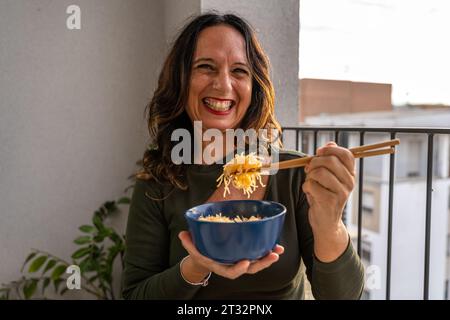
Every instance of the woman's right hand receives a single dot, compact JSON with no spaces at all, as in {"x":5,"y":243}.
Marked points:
{"x":196,"y":267}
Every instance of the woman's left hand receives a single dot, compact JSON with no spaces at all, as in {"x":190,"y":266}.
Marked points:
{"x":228,"y":271}
{"x":330,"y":178}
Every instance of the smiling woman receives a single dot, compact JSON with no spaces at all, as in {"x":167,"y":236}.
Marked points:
{"x":218,"y":75}
{"x":221,"y":82}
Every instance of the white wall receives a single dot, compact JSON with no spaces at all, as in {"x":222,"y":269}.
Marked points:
{"x":409,"y":240}
{"x":71,"y":116}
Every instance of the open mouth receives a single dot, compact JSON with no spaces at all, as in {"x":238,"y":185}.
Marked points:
{"x":215,"y":106}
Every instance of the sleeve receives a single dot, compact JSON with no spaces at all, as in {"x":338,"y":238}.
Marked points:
{"x":147,"y":274}
{"x":339,"y":279}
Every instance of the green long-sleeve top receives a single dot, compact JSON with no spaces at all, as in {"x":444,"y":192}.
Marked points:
{"x":154,"y":251}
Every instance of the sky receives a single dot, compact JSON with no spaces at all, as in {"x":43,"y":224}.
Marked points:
{"x":402,"y":42}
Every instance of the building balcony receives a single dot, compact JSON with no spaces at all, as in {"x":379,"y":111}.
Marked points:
{"x":398,"y":214}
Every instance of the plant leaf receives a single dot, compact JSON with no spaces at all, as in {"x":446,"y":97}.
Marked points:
{"x":45,"y":284}
{"x":30,"y":256}
{"x":99,"y":238}
{"x":110,"y":206}
{"x":82,"y":240}
{"x":81,"y":252}
{"x":85,"y":265}
{"x":97,"y":221}
{"x":115,"y":237}
{"x":87,"y":228}
{"x":58,"y":271}
{"x":37,"y":264}
{"x":124,"y":200}
{"x":50,"y":264}
{"x":56,"y":283}
{"x":30,"y":288}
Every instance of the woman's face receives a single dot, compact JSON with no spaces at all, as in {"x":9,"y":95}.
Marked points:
{"x":220,"y":87}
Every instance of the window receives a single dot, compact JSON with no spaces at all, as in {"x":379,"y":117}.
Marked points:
{"x":415,"y":148}
{"x":368,"y":202}
{"x":366,"y":254}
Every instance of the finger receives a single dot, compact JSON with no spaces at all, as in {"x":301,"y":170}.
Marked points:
{"x":328,"y":144}
{"x":337,"y":168}
{"x":317,"y":191}
{"x":306,"y":187}
{"x":232,"y":271}
{"x":263,"y":263}
{"x":345,"y":155}
{"x":278,"y":249}
{"x":327,"y":179}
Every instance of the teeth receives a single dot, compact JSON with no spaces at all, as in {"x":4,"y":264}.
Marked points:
{"x":218,"y":105}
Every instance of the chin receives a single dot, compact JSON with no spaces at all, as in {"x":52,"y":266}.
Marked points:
{"x":221,"y":125}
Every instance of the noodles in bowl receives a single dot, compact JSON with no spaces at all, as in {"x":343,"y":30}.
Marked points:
{"x":220,"y":218}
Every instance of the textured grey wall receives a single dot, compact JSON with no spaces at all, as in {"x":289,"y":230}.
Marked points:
{"x":71,"y":115}
{"x":277,"y":25}
{"x":176,"y":13}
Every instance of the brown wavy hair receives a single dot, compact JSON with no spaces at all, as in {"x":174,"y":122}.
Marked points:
{"x":166,"y":111}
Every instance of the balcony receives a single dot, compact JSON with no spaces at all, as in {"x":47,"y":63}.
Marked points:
{"x":406,"y":253}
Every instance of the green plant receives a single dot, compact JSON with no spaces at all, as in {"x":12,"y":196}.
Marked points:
{"x":99,"y":247}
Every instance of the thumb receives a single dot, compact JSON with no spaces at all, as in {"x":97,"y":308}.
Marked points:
{"x":319,"y":150}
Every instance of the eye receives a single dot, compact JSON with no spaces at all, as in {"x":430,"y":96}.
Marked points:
{"x":240,"y":70}
{"x":205,"y":66}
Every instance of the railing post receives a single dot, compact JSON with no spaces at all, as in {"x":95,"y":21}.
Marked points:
{"x":428,"y":216}
{"x":315,"y":142}
{"x":360,"y":193}
{"x":390,"y":207}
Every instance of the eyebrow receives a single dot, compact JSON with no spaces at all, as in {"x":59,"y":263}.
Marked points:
{"x":212,"y":60}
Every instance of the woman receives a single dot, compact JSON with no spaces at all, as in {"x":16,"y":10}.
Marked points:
{"x":217,"y":73}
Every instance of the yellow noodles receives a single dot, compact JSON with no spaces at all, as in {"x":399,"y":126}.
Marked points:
{"x":243,"y":171}
{"x":220,"y":218}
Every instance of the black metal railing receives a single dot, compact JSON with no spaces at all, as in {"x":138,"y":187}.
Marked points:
{"x":430,"y":132}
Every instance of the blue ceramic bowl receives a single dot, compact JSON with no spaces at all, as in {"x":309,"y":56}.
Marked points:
{"x":231,"y":242}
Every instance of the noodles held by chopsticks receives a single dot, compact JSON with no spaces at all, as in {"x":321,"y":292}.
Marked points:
{"x":243,"y":172}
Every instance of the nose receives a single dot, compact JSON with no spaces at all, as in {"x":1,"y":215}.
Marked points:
{"x":222,"y":82}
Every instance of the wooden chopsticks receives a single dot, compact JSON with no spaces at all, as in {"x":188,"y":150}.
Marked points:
{"x":370,"y":150}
